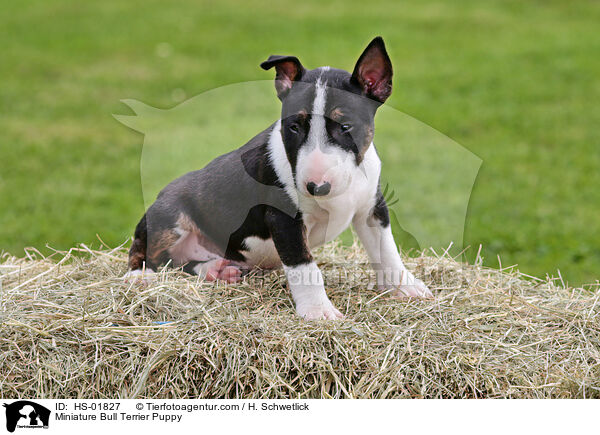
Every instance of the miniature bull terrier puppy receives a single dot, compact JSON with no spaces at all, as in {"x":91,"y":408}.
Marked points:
{"x":294,"y":186}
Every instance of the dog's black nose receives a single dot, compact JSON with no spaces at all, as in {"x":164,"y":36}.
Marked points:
{"x":321,"y":190}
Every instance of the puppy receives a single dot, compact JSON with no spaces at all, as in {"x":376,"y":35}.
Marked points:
{"x":294,"y":186}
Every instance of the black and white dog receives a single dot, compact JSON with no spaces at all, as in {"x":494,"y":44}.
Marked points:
{"x":293,"y":187}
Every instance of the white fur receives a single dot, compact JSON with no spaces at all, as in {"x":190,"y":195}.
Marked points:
{"x":325,"y":163}
{"x":280,"y":162}
{"x":306,"y":285}
{"x":385,"y":258}
{"x":326,"y":217}
{"x":317,"y":160}
{"x":319,"y":103}
{"x":351,"y":199}
{"x":352,"y":187}
{"x":261,"y":253}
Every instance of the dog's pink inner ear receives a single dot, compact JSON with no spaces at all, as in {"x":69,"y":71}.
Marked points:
{"x":287,"y":72}
{"x":374,"y":83}
{"x":375,"y":79}
{"x":373,"y":71}
{"x":288,"y":69}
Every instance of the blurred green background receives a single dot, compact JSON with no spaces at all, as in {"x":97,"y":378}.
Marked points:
{"x":516,"y":83}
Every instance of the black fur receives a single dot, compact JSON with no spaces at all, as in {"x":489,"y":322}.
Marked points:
{"x":380,"y":210}
{"x":346,"y":105}
{"x":289,"y":69}
{"x":236,"y":212}
{"x":259,"y":167}
{"x":289,"y":236}
{"x":254,"y":225}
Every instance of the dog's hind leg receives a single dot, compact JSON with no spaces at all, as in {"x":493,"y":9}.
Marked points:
{"x":150,"y":249}
{"x":199,"y":256}
{"x":181,"y":243}
{"x":218,"y":269}
{"x":138,"y":265}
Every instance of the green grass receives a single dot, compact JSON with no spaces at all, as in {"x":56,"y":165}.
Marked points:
{"x":516,"y":83}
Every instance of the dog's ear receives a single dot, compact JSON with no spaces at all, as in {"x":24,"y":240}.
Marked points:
{"x":373,"y":71}
{"x":289,"y":69}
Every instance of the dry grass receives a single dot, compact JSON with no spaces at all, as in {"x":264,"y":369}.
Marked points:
{"x":72,"y":328}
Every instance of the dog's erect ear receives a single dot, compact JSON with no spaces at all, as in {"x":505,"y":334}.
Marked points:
{"x":289,"y":69}
{"x":373,"y":71}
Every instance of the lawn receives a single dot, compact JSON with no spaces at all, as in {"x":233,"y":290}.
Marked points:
{"x":515,"y":84}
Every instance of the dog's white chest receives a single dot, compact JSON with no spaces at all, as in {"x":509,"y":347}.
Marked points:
{"x":261,"y":253}
{"x":324,"y":222}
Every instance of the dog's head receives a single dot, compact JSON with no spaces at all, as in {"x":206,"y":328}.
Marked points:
{"x":327,"y":116}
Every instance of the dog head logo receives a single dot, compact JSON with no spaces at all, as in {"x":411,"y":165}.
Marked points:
{"x":26,"y":414}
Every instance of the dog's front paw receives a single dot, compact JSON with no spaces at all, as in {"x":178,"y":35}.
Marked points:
{"x":411,"y":291}
{"x":324,"y":311}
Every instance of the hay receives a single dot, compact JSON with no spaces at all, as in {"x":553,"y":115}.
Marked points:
{"x":72,"y":328}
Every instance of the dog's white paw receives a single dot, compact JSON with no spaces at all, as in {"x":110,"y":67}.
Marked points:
{"x":325,"y":311}
{"x":412,"y":291}
{"x":144,"y":276}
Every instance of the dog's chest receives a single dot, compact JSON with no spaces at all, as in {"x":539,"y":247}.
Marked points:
{"x":325,"y":220}
{"x":322,"y":225}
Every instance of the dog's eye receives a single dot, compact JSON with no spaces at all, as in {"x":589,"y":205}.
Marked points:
{"x":345,"y":128}
{"x":294,"y":128}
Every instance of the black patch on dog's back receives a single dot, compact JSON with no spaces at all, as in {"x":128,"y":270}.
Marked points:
{"x":258,"y":166}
